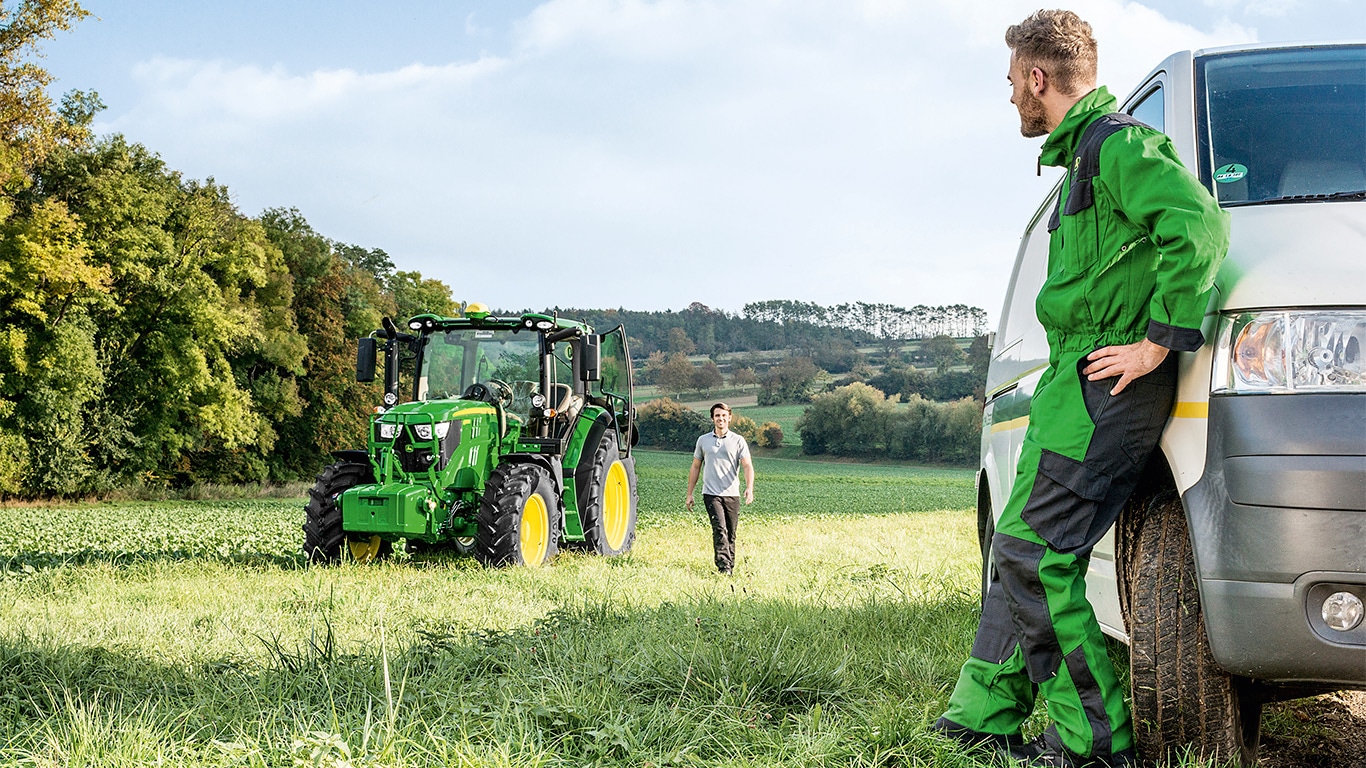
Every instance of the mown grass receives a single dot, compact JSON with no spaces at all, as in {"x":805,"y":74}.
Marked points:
{"x":192,"y":634}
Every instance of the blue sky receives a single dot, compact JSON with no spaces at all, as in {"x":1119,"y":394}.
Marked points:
{"x":630,"y":153}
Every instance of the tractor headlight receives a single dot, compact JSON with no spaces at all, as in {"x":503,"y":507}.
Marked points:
{"x":424,"y":431}
{"x":1290,"y":351}
{"x":388,"y":431}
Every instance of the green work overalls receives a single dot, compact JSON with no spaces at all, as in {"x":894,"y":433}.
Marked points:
{"x":1138,"y":261}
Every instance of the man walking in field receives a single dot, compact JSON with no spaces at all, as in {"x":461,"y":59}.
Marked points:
{"x":718,"y":458}
{"x":1134,"y":244}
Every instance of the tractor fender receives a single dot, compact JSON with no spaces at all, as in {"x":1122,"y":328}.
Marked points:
{"x":584,"y":469}
{"x":352,"y":456}
{"x":551,"y":464}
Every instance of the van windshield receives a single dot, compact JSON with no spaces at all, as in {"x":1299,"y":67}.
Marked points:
{"x":1284,"y":125}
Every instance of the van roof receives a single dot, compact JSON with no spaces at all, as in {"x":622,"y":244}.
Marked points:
{"x":1272,"y":46}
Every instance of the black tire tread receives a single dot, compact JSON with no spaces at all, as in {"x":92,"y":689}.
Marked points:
{"x":498,"y":539}
{"x":324,"y":538}
{"x":590,"y":503}
{"x":1182,"y":700}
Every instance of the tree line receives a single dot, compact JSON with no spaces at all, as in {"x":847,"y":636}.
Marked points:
{"x":806,"y":329}
{"x":882,"y":321}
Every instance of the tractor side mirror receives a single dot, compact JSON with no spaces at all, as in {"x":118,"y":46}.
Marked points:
{"x":590,"y":358}
{"x":366,"y":349}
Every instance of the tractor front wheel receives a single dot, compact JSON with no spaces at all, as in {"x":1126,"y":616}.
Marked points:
{"x":608,"y":502}
{"x":519,"y":517}
{"x":324,"y":539}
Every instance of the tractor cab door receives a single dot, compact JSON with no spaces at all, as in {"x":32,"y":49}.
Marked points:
{"x":614,"y":385}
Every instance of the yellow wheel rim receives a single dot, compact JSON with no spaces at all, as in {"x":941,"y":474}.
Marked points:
{"x":616,"y":506}
{"x":465,"y":541}
{"x":535,"y":533}
{"x":364,"y":550}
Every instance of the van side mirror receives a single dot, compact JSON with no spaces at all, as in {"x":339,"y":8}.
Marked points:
{"x":366,"y":350}
{"x":590,"y":358}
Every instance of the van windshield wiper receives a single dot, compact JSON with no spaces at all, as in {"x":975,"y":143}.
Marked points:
{"x":1357,"y":194}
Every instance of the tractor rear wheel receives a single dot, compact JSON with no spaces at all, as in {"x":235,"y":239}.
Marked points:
{"x":324,"y":539}
{"x":519,"y":517}
{"x":607,"y":503}
{"x":1183,"y":700}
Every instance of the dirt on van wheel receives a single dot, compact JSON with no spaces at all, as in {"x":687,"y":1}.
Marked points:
{"x":1329,"y":732}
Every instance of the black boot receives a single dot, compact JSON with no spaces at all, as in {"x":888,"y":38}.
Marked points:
{"x":1001,"y":747}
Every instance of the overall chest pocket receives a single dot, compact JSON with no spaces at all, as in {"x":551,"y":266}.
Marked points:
{"x":1075,"y":244}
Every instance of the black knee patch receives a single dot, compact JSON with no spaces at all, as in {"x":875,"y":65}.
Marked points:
{"x":995,"y":641}
{"x":1018,"y":561}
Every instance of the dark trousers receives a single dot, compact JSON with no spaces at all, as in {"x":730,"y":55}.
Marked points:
{"x":724,"y":513}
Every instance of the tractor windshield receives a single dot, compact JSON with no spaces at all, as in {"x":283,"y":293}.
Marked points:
{"x":453,"y":360}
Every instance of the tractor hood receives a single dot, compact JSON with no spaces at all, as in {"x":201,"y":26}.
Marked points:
{"x":431,"y":411}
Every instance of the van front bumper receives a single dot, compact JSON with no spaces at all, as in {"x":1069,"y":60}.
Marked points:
{"x":1278,"y":522}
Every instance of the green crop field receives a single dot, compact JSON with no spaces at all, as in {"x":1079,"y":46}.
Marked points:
{"x":192,"y":634}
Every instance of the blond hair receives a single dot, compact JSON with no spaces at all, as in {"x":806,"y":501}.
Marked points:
{"x":1059,"y":43}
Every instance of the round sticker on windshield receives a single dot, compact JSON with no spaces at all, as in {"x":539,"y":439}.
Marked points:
{"x":1230,"y":173}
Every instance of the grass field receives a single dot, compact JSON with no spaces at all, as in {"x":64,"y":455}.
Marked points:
{"x":190,"y":633}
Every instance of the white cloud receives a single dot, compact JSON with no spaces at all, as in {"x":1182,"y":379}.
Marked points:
{"x":1272,"y":8}
{"x":648,"y":154}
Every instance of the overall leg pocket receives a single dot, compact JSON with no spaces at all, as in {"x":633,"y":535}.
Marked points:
{"x":1066,"y":496}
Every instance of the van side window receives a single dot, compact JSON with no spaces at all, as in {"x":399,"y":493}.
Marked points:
{"x":1150,"y":110}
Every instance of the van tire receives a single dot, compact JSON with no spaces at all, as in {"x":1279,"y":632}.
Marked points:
{"x":1182,"y":699}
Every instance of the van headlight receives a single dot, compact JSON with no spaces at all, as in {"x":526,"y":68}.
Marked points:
{"x":1290,"y":351}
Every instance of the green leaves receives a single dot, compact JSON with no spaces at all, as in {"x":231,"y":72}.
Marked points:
{"x":152,"y":332}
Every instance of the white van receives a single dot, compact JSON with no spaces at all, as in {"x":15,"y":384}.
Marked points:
{"x":1237,"y":574}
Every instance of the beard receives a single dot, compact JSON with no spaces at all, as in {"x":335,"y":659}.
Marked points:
{"x":1033,"y":118}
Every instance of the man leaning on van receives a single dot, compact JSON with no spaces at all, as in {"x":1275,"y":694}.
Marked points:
{"x":1134,"y":244}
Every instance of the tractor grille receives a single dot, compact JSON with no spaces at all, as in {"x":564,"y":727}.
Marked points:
{"x":416,"y":455}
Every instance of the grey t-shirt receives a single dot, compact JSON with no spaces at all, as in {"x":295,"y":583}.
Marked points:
{"x":721,"y":458}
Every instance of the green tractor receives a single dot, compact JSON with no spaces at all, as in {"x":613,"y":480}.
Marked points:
{"x":516,"y":441}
